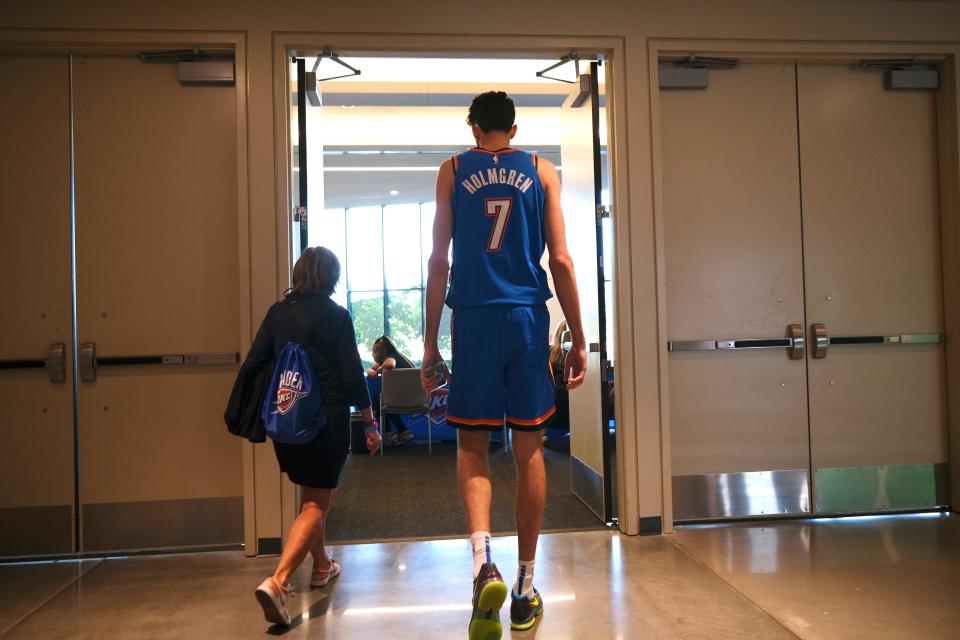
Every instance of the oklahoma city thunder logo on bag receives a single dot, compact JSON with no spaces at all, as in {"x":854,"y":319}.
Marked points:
{"x":289,"y":390}
{"x":293,"y":408}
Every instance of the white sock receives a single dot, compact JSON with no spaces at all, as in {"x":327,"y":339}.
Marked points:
{"x":480,"y":543}
{"x":524,"y":584}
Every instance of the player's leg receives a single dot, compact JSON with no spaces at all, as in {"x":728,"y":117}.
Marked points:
{"x":530,"y":408}
{"x":531,"y":489}
{"x":473,"y":472}
{"x":525,"y":602}
{"x":475,"y":407}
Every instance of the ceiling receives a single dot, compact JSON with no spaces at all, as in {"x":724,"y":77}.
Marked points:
{"x":404,"y":117}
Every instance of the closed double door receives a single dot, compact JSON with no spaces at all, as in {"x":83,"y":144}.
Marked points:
{"x":804,"y":297}
{"x":119,"y":332}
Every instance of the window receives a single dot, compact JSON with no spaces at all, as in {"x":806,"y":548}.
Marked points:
{"x":365,"y":249}
{"x":368,"y":319}
{"x":606,"y":226}
{"x":405,"y":318}
{"x":332,"y":234}
{"x":383,"y":254}
{"x":402,"y":250}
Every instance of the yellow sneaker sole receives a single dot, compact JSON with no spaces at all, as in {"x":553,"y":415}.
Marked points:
{"x":486,"y":629}
{"x":523,"y":626}
{"x":492,"y":596}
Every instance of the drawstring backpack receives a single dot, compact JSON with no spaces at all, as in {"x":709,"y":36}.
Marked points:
{"x":293,"y":406}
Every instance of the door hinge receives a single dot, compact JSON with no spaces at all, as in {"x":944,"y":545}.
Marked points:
{"x":603,"y":211}
{"x":300,"y":215}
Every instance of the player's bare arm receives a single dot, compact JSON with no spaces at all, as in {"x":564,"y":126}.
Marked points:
{"x":438,"y":269}
{"x":561,"y":268}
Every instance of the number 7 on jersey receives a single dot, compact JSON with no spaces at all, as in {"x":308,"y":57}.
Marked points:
{"x":499,"y":210}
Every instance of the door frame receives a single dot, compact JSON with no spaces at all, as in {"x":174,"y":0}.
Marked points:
{"x":613,"y":51}
{"x":948,"y":141}
{"x":109,"y":42}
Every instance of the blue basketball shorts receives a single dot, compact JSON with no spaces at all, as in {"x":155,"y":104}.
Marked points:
{"x":501,"y":369}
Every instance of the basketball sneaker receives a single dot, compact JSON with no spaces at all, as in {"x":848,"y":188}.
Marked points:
{"x":489,"y":593}
{"x":524,"y":610}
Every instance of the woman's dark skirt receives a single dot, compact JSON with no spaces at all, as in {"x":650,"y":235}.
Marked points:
{"x":319,"y":463}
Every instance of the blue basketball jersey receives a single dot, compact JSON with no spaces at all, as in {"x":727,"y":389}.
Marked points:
{"x":498,"y":235}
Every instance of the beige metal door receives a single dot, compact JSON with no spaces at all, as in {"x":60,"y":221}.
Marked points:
{"x":580,"y":155}
{"x":36,"y":414}
{"x":156,"y":247}
{"x":734,"y":272}
{"x":873,"y":271}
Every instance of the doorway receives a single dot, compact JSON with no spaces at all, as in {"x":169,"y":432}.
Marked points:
{"x":371,"y":144}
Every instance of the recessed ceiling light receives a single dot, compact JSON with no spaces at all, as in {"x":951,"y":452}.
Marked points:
{"x":394,"y":192}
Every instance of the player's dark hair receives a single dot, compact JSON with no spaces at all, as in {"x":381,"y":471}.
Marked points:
{"x":492,"y":111}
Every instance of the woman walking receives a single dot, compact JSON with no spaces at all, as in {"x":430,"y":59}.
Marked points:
{"x":330,"y":340}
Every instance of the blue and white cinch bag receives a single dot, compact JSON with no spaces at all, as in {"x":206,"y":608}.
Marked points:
{"x":293,"y":407}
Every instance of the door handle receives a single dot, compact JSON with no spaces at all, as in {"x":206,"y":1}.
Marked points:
{"x":90,"y":361}
{"x":822,"y":340}
{"x":794,"y":343}
{"x":55,"y":363}
{"x":87,"y":362}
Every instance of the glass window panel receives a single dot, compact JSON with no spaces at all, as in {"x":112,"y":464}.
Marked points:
{"x":367,"y":310}
{"x":427,"y":211}
{"x":405,"y":317}
{"x":611,"y":315}
{"x":340,"y":296}
{"x":364,"y":249}
{"x":327,"y":230}
{"x":606,"y":227}
{"x":401,"y":249}
{"x":444,"y":340}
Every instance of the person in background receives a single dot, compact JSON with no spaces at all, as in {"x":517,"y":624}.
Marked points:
{"x":387,"y":356}
{"x":315,"y":466}
{"x":561,"y":397}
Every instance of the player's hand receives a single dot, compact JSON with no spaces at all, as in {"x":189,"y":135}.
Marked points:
{"x":575,"y":366}
{"x":373,"y":441}
{"x":428,"y":376}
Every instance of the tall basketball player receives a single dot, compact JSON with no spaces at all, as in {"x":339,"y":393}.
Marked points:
{"x":501,"y":208}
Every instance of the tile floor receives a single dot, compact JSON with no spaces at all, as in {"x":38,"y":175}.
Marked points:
{"x":894,"y":577}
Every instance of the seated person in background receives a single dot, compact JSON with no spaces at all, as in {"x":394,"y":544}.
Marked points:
{"x":561,"y":397}
{"x":387,"y":356}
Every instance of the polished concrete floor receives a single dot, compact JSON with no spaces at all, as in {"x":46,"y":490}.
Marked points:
{"x":856,"y":578}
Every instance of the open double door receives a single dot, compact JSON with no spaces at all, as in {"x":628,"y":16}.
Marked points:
{"x":804,"y":296}
{"x":119,"y":333}
{"x":591,"y":442}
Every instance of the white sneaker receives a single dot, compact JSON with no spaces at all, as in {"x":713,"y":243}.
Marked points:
{"x":321,"y":578}
{"x":273,"y":598}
